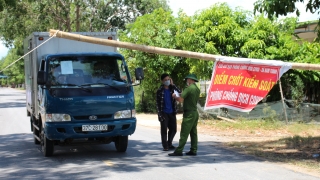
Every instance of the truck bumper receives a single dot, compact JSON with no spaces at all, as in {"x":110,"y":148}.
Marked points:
{"x":73,"y":130}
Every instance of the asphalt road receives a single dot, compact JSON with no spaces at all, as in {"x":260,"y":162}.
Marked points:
{"x":20,"y":158}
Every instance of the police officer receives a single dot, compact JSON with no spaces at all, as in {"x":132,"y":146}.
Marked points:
{"x":189,"y":97}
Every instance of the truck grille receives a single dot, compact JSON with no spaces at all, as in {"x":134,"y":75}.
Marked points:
{"x":103,"y":116}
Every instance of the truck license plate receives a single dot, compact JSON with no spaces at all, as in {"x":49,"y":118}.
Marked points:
{"x":94,"y":127}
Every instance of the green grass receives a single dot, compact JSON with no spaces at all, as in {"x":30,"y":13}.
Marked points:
{"x":253,"y":125}
{"x":249,"y":125}
{"x":298,"y":128}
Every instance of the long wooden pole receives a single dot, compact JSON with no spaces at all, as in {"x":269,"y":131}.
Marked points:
{"x":158,"y":50}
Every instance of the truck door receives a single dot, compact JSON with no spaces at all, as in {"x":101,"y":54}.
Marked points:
{"x":30,"y":79}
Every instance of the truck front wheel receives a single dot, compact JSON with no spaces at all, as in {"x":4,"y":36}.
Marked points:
{"x":121,"y":143}
{"x":46,"y":145}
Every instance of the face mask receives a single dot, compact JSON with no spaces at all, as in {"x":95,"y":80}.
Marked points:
{"x":167,"y":83}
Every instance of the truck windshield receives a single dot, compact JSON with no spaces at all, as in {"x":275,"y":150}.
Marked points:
{"x":94,"y":71}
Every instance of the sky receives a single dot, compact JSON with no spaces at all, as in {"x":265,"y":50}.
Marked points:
{"x":3,"y":50}
{"x":191,"y":6}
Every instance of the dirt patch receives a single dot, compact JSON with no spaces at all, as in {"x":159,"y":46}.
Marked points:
{"x":296,"y":151}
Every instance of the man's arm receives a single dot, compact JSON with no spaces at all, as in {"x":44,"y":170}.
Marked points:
{"x":158,"y":94}
{"x":179,"y":99}
{"x":182,"y":96}
{"x":176,"y":88}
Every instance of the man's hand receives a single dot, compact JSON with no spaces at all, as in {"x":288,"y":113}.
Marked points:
{"x":177,"y":98}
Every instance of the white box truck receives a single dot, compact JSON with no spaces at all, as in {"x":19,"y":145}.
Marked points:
{"x":78,"y":92}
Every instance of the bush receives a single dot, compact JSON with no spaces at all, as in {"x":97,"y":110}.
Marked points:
{"x":143,"y":103}
{"x":146,"y":107}
{"x":270,"y":113}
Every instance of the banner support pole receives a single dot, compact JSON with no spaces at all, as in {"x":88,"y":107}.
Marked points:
{"x":282,"y":99}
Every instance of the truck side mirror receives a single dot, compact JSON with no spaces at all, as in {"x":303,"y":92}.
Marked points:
{"x":42,"y":78}
{"x":139,"y":73}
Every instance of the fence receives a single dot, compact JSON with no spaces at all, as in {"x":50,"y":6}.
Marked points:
{"x":304,"y":112}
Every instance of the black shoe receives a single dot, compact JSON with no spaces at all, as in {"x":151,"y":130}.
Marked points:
{"x":165,"y":149}
{"x":190,"y":153}
{"x":175,"y":154}
{"x":172,"y":147}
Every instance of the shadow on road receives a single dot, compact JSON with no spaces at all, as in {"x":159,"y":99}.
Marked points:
{"x":12,"y":104}
{"x":15,"y":93}
{"x":19,"y":157}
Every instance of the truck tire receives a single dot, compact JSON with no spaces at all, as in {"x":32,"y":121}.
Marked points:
{"x":121,"y":143}
{"x":47,"y":145}
{"x":34,"y":130}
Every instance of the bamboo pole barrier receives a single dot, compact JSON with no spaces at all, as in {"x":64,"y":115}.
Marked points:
{"x":158,"y":50}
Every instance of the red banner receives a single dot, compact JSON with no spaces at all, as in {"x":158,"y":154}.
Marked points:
{"x":240,"y":84}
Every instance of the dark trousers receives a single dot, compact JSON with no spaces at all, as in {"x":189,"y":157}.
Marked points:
{"x":169,"y":122}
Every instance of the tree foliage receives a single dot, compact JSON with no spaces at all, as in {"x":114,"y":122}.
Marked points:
{"x":19,"y":18}
{"x":16,"y":71}
{"x":275,"y":8}
{"x":217,"y":30}
{"x":155,"y":29}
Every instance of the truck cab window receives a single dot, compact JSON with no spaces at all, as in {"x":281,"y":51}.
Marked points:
{"x":87,"y":70}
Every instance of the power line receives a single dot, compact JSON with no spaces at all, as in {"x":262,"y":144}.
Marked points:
{"x":29,"y":52}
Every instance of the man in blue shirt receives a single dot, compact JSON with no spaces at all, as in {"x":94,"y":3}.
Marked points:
{"x":167,"y":107}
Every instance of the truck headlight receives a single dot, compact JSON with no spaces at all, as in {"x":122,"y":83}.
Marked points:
{"x":125,"y":114}
{"x":57,"y":117}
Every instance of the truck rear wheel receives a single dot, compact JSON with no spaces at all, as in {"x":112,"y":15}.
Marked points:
{"x":121,"y":143}
{"x":34,"y":130}
{"x":47,"y":145}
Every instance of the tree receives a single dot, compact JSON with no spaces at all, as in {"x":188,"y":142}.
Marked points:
{"x":274,"y":8}
{"x":217,"y":30}
{"x":23,"y":17}
{"x":19,"y":18}
{"x":155,"y":29}
{"x":16,"y":72}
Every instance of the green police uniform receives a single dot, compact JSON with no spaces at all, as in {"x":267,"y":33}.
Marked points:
{"x":190,"y":118}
